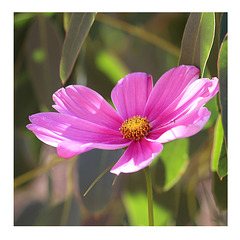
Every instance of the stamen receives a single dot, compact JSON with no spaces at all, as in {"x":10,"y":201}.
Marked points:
{"x":135,"y":128}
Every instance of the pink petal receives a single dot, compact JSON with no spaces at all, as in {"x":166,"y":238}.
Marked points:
{"x":69,"y":149}
{"x":138,"y":155}
{"x":187,"y":126}
{"x":61,"y":131}
{"x":46,"y":135}
{"x":131,"y":94}
{"x":168,"y":88}
{"x":87,"y":104}
{"x":194,"y":96}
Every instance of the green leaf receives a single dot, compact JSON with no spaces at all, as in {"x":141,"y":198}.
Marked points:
{"x":66,"y":19}
{"x":222,"y":75}
{"x":78,"y":28}
{"x":22,"y":18}
{"x":223,"y":26}
{"x":136,"y":204}
{"x":91,"y":165}
{"x":222,"y":164}
{"x":43,"y":52}
{"x":197,"y":40}
{"x":112,"y":66}
{"x":211,"y":105}
{"x":217,"y":144}
{"x":220,"y":191}
{"x":219,"y":153}
{"x":174,"y":161}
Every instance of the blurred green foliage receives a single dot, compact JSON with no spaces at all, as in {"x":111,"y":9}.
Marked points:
{"x":49,"y":190}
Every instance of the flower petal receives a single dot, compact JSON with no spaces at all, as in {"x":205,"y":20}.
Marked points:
{"x":69,"y":149}
{"x":87,"y":104}
{"x":138,"y":155}
{"x":61,"y":131}
{"x":131,"y":94}
{"x":194,"y":96}
{"x":187,"y":126}
{"x":168,"y":88}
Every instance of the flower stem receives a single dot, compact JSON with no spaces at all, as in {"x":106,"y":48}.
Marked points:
{"x":150,"y":196}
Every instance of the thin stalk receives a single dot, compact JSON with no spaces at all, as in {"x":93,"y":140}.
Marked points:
{"x":96,"y":180}
{"x":150,"y":196}
{"x":38,"y":171}
{"x":139,"y":32}
{"x":69,"y":192}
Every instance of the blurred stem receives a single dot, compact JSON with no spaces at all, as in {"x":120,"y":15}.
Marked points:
{"x":150,"y":195}
{"x":38,"y":171}
{"x":69,"y":192}
{"x":139,"y":32}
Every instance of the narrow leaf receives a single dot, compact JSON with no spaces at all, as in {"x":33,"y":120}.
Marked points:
{"x":43,"y":52}
{"x":222,"y":75}
{"x":92,"y":164}
{"x":217,"y":144}
{"x":174,"y":161}
{"x":220,"y":192}
{"x":222,"y":164}
{"x":223,"y":26}
{"x":78,"y":28}
{"x":22,"y":18}
{"x":197,"y":40}
{"x":66,"y":19}
{"x":136,"y":203}
{"x":111,"y":65}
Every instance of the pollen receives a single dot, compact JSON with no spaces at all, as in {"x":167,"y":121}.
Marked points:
{"x":135,"y":128}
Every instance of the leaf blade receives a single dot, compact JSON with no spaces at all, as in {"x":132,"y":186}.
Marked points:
{"x":172,"y":170}
{"x":222,"y":163}
{"x":217,"y":144}
{"x":92,"y":164}
{"x":197,"y":40}
{"x":66,"y":20}
{"x":222,"y":66}
{"x":111,"y":65}
{"x":78,"y":28}
{"x":136,"y":207}
{"x":43,"y":52}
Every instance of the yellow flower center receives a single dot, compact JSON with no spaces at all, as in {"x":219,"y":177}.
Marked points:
{"x":135,"y":128}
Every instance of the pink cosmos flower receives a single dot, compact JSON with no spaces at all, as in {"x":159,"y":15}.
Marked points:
{"x":145,"y":116}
